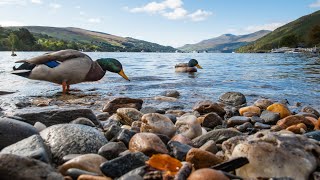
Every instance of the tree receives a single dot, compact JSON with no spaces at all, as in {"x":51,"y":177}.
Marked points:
{"x":289,"y":41}
{"x":314,"y":35}
{"x":14,"y":41}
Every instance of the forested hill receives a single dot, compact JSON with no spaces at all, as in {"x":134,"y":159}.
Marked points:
{"x":40,"y":38}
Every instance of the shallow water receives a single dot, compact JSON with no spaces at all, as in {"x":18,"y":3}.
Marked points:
{"x":294,"y":77}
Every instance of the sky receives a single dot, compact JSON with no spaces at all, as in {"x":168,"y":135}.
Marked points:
{"x":167,"y":22}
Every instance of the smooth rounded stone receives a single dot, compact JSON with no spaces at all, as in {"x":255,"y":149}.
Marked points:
{"x":124,"y":136}
{"x":112,"y":131}
{"x":294,"y":119}
{"x":135,"y":174}
{"x":74,"y":173}
{"x":263,"y":103}
{"x":297,"y":128}
{"x":92,"y":177}
{"x":126,"y":127}
{"x":157,"y":123}
{"x":307,"y":115}
{"x":184,"y":172}
{"x":313,"y":135}
{"x":148,"y":109}
{"x":277,"y":154}
{"x":86,"y":162}
{"x":308,"y":109}
{"x":251,"y":109}
{"x":164,"y":98}
{"x":129,"y":115}
{"x":178,"y":150}
{"x":279,"y":108}
{"x":108,"y":123}
{"x":188,"y":126}
{"x":115,"y":117}
{"x":83,"y":121}
{"x":233,"y":99}
{"x":255,"y":119}
{"x":148,"y":144}
{"x":103,"y":116}
{"x":32,"y":147}
{"x":69,"y":157}
{"x":19,"y":167}
{"x":182,"y":139}
{"x":237,"y":120}
{"x":66,"y":139}
{"x":121,"y":165}
{"x":39,"y":126}
{"x":172,"y":117}
{"x":165,"y":139}
{"x":13,"y":131}
{"x":171,"y":93}
{"x":210,"y":120}
{"x":261,"y":125}
{"x":244,"y":127}
{"x":53,"y":115}
{"x":207,"y":174}
{"x":250,"y":114}
{"x":270,"y":117}
{"x":204,"y":107}
{"x":202,"y":159}
{"x":176,"y":113}
{"x":122,"y":102}
{"x":217,"y":135}
{"x":112,"y":150}
{"x":210,"y":146}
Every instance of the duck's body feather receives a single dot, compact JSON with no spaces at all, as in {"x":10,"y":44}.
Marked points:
{"x":183,"y":67}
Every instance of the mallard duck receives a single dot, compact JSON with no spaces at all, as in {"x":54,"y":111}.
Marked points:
{"x":188,"y":67}
{"x":67,"y":67}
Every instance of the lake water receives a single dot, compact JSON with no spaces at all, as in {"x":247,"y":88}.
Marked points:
{"x":294,"y":77}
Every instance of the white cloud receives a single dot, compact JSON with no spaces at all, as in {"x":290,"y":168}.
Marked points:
{"x":77,"y":7}
{"x":200,"y":15}
{"x":82,"y":13}
{"x":36,"y":1}
{"x":178,"y":13}
{"x":170,"y":9}
{"x":55,"y":5}
{"x":94,"y":20}
{"x":12,"y":2}
{"x":255,"y":28}
{"x":11,"y":23}
{"x":315,"y":4}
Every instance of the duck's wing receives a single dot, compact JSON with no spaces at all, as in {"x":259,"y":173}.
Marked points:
{"x":60,"y":56}
{"x":181,"y":65}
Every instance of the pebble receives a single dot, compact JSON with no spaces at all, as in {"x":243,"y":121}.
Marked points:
{"x":237,"y":120}
{"x":255,"y":119}
{"x":86,"y":162}
{"x":308,"y":109}
{"x":129,"y":115}
{"x":148,"y":109}
{"x":279,"y":108}
{"x":39,"y":126}
{"x":124,"y":135}
{"x":210,"y":120}
{"x":210,"y":146}
{"x":182,"y":139}
{"x":157,"y":123}
{"x":83,"y":121}
{"x":75,"y":173}
{"x":297,"y":128}
{"x":233,"y":99}
{"x":178,"y":150}
{"x":204,"y":107}
{"x":270,"y":117}
{"x":293,"y":120}
{"x":202,"y":159}
{"x":91,"y":177}
{"x":176,"y":113}
{"x":103,"y":116}
{"x":112,"y":131}
{"x":123,"y":102}
{"x":171,"y":93}
{"x":218,"y":136}
{"x":244,"y":127}
{"x":188,"y":126}
{"x":313,"y":135}
{"x":165,"y":98}
{"x":250,"y":109}
{"x":172,"y":117}
{"x":261,"y":125}
{"x":147,"y":143}
{"x":263,"y":103}
{"x":207,"y":174}
{"x":112,"y":150}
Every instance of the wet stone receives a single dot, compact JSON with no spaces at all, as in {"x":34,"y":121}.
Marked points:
{"x":112,"y":150}
{"x":103,"y":116}
{"x":112,"y":131}
{"x":124,"y":136}
{"x":313,"y":135}
{"x":279,"y":108}
{"x":270,"y":117}
{"x":211,"y":120}
{"x":165,"y":139}
{"x":261,"y":125}
{"x":294,"y":119}
{"x":147,"y":143}
{"x":210,"y":146}
{"x":217,"y":135}
{"x":233,"y":99}
{"x":178,"y":150}
{"x":308,"y":109}
{"x":148,"y":109}
{"x":263,"y":103}
{"x":171,"y":93}
{"x":237,"y":120}
{"x":112,"y":106}
{"x":204,"y":107}
{"x":255,"y":119}
{"x":32,"y":147}
{"x":135,"y":174}
{"x":74,"y":173}
{"x":244,"y":127}
{"x":188,"y":126}
{"x":83,"y":121}
{"x":129,"y":115}
{"x":157,"y":123}
{"x":202,"y":159}
{"x":121,"y":165}
{"x":13,"y":131}
{"x":108,"y":123}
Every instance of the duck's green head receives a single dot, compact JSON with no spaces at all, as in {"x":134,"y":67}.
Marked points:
{"x":194,"y":63}
{"x":112,"y":65}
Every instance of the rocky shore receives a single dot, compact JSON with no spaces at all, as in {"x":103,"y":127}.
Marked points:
{"x":94,"y":138}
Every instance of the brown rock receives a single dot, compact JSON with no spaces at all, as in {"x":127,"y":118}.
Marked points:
{"x":182,"y":139}
{"x":251,"y":109}
{"x":148,"y":144}
{"x":297,"y":128}
{"x":263,"y":103}
{"x":90,"y":177}
{"x":188,"y":126}
{"x":204,"y":107}
{"x":293,"y":120}
{"x":311,"y":110}
{"x":87,"y":162}
{"x":250,"y":114}
{"x":117,"y":103}
{"x":129,"y":115}
{"x":210,"y":120}
{"x":164,"y":98}
{"x":207,"y":174}
{"x":279,"y":108}
{"x":157,"y":123}
{"x":210,"y":146}
{"x":177,"y":113}
{"x":202,"y":159}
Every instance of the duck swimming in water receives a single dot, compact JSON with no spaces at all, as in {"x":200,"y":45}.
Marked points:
{"x":188,"y":67}
{"x":67,"y":67}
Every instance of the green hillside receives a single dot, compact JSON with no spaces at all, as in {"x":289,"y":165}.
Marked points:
{"x":55,"y":38}
{"x":301,"y":32}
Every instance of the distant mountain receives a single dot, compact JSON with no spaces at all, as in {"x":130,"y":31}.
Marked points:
{"x":224,"y":43}
{"x":304,"y":31}
{"x":104,"y":41}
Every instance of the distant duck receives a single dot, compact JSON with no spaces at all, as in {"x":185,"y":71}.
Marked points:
{"x":67,"y":67}
{"x":188,"y":67}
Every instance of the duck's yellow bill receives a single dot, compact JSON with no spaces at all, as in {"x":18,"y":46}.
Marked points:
{"x":121,"y":73}
{"x":198,"y":66}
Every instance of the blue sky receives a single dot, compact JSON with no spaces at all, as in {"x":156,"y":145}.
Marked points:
{"x":167,"y":22}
